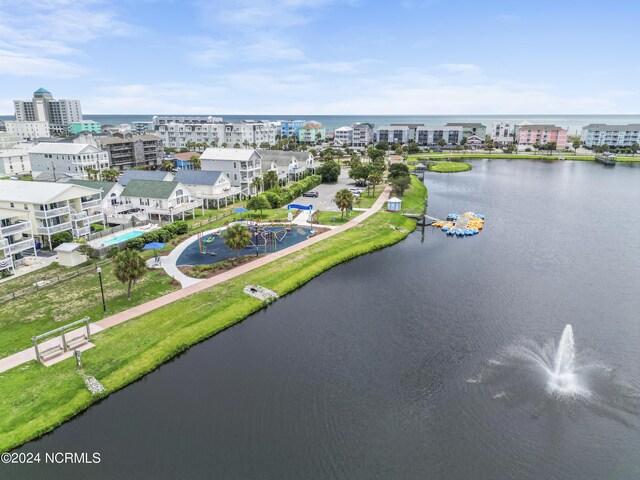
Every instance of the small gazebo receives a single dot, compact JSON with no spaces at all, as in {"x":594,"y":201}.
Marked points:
{"x":394,"y":204}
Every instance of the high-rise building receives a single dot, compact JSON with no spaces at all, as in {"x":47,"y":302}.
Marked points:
{"x":44,"y":108}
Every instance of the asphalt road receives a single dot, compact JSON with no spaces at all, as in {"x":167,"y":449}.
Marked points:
{"x":327,"y":191}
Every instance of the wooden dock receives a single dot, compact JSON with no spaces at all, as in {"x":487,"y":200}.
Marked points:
{"x":609,"y":160}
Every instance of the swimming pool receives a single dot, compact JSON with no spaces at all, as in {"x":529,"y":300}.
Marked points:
{"x":122,"y":238}
{"x":215,"y":250}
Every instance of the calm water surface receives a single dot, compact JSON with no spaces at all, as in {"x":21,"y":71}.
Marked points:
{"x":365,"y":371}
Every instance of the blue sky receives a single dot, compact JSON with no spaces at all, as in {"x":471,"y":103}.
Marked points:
{"x":324,"y":56}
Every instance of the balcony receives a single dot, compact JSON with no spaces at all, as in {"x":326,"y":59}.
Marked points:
{"x":96,"y":218}
{"x":81,"y":231}
{"x":15,"y":228}
{"x":18,"y":246}
{"x":54,"y":212}
{"x":61,"y":227}
{"x":91,"y":204}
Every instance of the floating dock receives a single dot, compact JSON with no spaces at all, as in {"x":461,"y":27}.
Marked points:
{"x":609,"y":160}
{"x":464,"y":225}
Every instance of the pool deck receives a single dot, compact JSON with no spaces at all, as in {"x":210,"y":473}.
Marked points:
{"x":198,"y":285}
{"x":99,"y":242}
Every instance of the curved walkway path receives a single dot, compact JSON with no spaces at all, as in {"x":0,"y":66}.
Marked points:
{"x":27,"y":355}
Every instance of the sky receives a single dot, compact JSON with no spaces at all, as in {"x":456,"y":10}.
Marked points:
{"x":320,"y":57}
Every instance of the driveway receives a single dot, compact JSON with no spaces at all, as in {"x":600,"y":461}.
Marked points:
{"x":327,"y":191}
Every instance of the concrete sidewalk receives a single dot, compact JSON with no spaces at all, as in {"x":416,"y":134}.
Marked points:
{"x":24,"y":356}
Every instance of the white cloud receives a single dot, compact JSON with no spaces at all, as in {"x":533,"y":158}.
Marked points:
{"x":25,"y":64}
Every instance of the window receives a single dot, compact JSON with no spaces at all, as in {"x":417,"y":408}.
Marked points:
{"x":12,"y":205}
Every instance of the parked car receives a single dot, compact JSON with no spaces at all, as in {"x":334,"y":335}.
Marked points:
{"x":312,"y":193}
{"x":356,"y":191}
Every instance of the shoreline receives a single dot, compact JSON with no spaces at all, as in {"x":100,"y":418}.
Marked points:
{"x":127,"y":352}
{"x":508,"y":156}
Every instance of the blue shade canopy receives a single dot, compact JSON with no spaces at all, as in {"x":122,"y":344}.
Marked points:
{"x":240,"y":210}
{"x":153,"y":246}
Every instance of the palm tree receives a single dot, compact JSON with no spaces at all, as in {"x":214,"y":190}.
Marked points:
{"x":129,"y":267}
{"x":110,"y":175}
{"x":270,"y":180}
{"x":237,"y":237}
{"x":257,"y":183}
{"x":195,"y":162}
{"x":167,"y":165}
{"x":343,"y":200}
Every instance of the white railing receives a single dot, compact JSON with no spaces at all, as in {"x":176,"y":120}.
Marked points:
{"x":97,"y":218}
{"x":15,"y":228}
{"x":54,"y":212}
{"x":175,"y":209}
{"x":19,"y":246}
{"x":91,"y":204}
{"x":79,"y":232}
{"x":61,"y":227}
{"x":78,"y":215}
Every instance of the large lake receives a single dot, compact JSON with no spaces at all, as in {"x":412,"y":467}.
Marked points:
{"x":389,"y":366}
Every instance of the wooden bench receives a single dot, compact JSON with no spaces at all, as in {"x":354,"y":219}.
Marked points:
{"x":51,"y":352}
{"x":76,"y":341}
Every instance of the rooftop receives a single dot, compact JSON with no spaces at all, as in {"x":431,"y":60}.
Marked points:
{"x":465,"y":125}
{"x":130,"y":175}
{"x":631,"y":127}
{"x":149,"y":189}
{"x":104,"y":187}
{"x":197,"y":177}
{"x":38,"y":192}
{"x":133,"y":138}
{"x":63,"y":148}
{"x":212,"y":153}
{"x":42,"y":90}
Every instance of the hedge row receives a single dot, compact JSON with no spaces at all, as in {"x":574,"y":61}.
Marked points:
{"x":162,"y":235}
{"x":279,"y":197}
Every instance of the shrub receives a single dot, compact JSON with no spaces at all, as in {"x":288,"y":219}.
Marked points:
{"x":181,"y":227}
{"x":97,"y":227}
{"x":60,"y":238}
{"x":136,"y":243}
{"x":113,"y":251}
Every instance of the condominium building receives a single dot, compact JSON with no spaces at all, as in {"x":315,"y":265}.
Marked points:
{"x":52,"y":207}
{"x":166,"y":120}
{"x":452,"y":135}
{"x":14,"y":161}
{"x":72,"y":159}
{"x":131,"y":151}
{"x":291,"y":128}
{"x":43,"y":107}
{"x":179,"y":135}
{"x":343,"y":136}
{"x":392,"y":134}
{"x":142,"y":127}
{"x":469,"y":129}
{"x":249,"y":133}
{"x":28,"y":130}
{"x":502,"y":132}
{"x":16,"y":239}
{"x":613,"y":135}
{"x":362,"y":134}
{"x":241,"y":165}
{"x":88,"y":126}
{"x":311,"y":132}
{"x":542,"y":134}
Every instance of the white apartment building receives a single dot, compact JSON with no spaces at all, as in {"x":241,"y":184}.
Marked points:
{"x":612,"y":135}
{"x":14,"y":161}
{"x":43,"y":107}
{"x":67,"y":158}
{"x":52,"y":207}
{"x":362,"y":134}
{"x":16,"y":240}
{"x":430,"y":136}
{"x":241,"y":165}
{"x":392,"y":134}
{"x":343,"y":136}
{"x":28,"y":130}
{"x":246,"y":134}
{"x":178,"y":135}
{"x":502,"y":132}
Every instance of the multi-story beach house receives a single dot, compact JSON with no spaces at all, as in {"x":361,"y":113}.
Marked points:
{"x":431,"y":136}
{"x":156,"y":199}
{"x":88,"y":126}
{"x":241,"y":165}
{"x":291,"y":128}
{"x":28,"y":130}
{"x":131,"y":151}
{"x":311,"y":132}
{"x":502,"y":132}
{"x":52,"y":207}
{"x":542,"y":134}
{"x":43,"y":107}
{"x":343,"y":136}
{"x":8,"y":140}
{"x":71,"y":159}
{"x":213,"y":188}
{"x":620,"y":136}
{"x":362,"y":134}
{"x":142,"y":127}
{"x":14,"y":161}
{"x":16,"y":239}
{"x":288,"y":165}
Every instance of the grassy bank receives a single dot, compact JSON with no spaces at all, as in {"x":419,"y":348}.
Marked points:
{"x":449,"y":167}
{"x":37,"y":399}
{"x":334,"y":218}
{"x":502,"y":156}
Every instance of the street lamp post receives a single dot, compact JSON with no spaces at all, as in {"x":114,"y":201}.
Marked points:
{"x":104,"y":305}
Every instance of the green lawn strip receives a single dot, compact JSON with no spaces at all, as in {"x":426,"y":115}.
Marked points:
{"x":18,"y":283}
{"x":70,"y":300}
{"x":503,"y":156}
{"x":449,"y":167}
{"x":335,"y":218}
{"x":415,"y":196}
{"x":36,"y":399}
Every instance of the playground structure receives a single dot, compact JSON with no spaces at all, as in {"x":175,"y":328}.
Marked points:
{"x":464,"y":225}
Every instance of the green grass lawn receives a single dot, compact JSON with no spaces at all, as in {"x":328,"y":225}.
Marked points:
{"x":36,"y":398}
{"x":70,"y":300}
{"x":505,"y":156}
{"x":335,"y":218}
{"x":18,"y":283}
{"x":449,"y":167}
{"x":414,"y":197}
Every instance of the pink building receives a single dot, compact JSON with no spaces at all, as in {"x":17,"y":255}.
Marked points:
{"x":530,"y":134}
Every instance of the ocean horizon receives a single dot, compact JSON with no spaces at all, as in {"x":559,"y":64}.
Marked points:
{"x":573,"y":123}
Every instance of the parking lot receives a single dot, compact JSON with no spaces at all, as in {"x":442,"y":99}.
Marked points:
{"x":326,"y":193}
